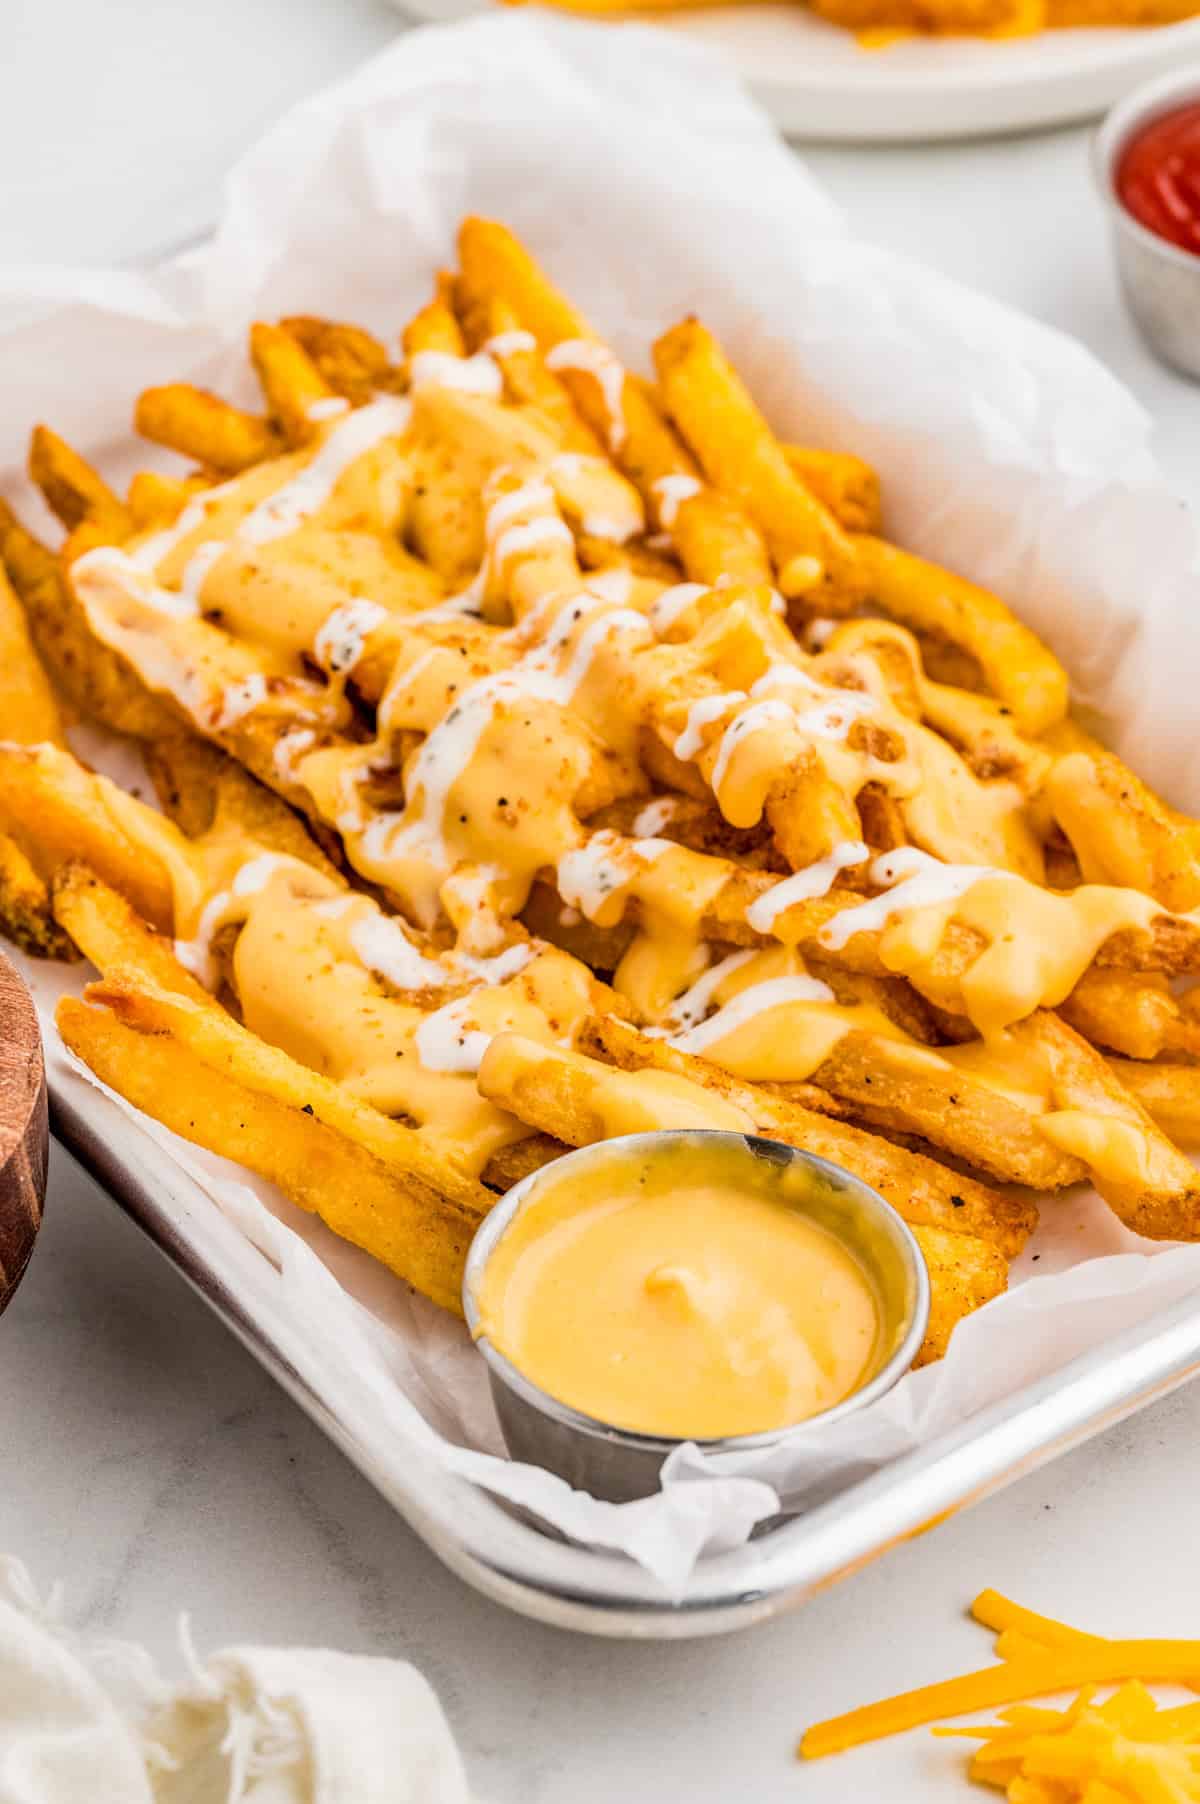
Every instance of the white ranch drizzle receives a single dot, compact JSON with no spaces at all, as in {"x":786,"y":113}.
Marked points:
{"x":238,"y":700}
{"x":752,"y":720}
{"x":477,"y":375}
{"x":449,"y":748}
{"x":702,"y":714}
{"x":384,"y":947}
{"x":98,"y":572}
{"x":614,"y":585}
{"x":527,"y":535}
{"x":290,"y":749}
{"x":328,"y":407}
{"x":357,"y":434}
{"x":691,"y":1008}
{"x":445,"y":1042}
{"x":671,"y":492}
{"x":651,"y":819}
{"x":151,"y":552}
{"x":589,"y":875}
{"x":252,"y":877}
{"x":196,"y":570}
{"x":342,"y":634}
{"x":911,"y":879}
{"x":595,"y":359}
{"x":672,"y":603}
{"x":508,"y":344}
{"x":772,"y":993}
{"x":815,"y":880}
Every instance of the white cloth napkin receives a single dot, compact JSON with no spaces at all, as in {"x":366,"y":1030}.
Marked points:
{"x":96,"y":1722}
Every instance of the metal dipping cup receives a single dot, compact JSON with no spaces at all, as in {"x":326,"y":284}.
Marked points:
{"x":619,"y":1465}
{"x":1161,"y":282}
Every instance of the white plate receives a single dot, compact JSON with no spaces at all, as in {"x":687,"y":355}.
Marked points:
{"x":818,"y":83}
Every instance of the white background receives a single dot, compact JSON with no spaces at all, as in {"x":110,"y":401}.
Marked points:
{"x":143,"y":1456}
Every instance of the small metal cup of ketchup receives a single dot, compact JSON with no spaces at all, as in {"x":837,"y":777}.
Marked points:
{"x":1147,"y":159}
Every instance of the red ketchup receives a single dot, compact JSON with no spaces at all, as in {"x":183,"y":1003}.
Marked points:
{"x":1158,"y":176}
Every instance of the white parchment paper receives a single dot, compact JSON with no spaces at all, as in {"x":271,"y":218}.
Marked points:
{"x":651,"y":187}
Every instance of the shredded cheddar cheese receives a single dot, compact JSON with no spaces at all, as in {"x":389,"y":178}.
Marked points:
{"x":1125,"y":1750}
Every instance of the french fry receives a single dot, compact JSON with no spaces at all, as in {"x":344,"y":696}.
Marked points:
{"x":87,"y":675}
{"x":1014,"y":664}
{"x":512,"y":1163}
{"x":74,"y":490}
{"x":741,"y":456}
{"x":59,"y":813}
{"x":220,"y":1043}
{"x":201,"y":788}
{"x":888,"y":1087}
{"x":495,"y":264}
{"x":290,"y":380}
{"x":157,"y":500}
{"x":964,"y":1274}
{"x":846,"y":485}
{"x":1132,"y":1012}
{"x":29,"y":712}
{"x":527,"y":381}
{"x":414,"y":1229}
{"x":581,"y":1101}
{"x":1170,"y":1094}
{"x":204,"y":428}
{"x":110,"y":933}
{"x":353,"y":362}
{"x":1143,"y":1178}
{"x":920,"y":1189}
{"x":25,"y":913}
{"x":436,"y":327}
{"x":1121,"y":832}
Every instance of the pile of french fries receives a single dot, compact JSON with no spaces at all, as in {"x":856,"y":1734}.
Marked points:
{"x":543,"y":753}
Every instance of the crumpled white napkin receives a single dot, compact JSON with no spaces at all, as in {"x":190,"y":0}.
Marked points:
{"x":96,"y":1722}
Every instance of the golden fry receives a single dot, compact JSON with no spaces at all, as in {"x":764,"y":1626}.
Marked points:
{"x":1133,"y":1012}
{"x":74,"y":491}
{"x":1121,"y":832}
{"x":846,"y":485}
{"x":353,"y":362}
{"x":1170,"y":1095}
{"x":415,"y":1230}
{"x":1013,"y":663}
{"x":740,"y":455}
{"x":26,"y":917}
{"x":296,"y":392}
{"x":59,"y":813}
{"x":1141,"y":1176}
{"x":203,"y":427}
{"x":28,"y":709}
{"x":110,"y":933}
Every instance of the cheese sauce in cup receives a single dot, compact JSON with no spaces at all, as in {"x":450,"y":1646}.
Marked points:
{"x":687,"y":1285}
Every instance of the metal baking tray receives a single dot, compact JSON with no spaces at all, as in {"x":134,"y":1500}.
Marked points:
{"x":543,"y":1576}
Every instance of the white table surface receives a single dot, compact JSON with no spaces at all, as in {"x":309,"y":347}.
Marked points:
{"x":145,"y":1458}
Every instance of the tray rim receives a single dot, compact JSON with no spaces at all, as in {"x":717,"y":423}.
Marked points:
{"x":593,"y":1592}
